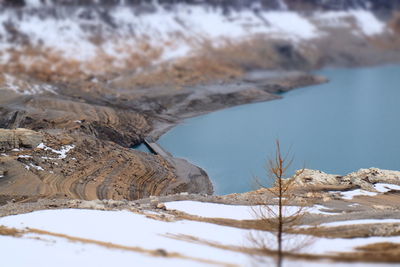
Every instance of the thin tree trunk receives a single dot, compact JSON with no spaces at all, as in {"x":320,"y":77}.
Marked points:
{"x":280,"y":224}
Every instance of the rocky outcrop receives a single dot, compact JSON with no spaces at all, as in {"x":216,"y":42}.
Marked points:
{"x":80,"y":166}
{"x":19,"y":138}
{"x":86,"y":168}
{"x":124,"y":127}
{"x":373,"y":175}
{"x":191,"y":179}
{"x":363,"y":178}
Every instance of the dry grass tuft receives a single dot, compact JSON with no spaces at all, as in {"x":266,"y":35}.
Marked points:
{"x":380,"y":255}
{"x":9,"y":231}
{"x":382,"y":247}
{"x":382,"y":252}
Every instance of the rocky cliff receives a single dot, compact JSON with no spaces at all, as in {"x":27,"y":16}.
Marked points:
{"x":18,"y":138}
{"x":80,"y":166}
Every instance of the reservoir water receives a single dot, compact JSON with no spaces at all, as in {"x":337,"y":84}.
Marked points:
{"x":352,"y":122}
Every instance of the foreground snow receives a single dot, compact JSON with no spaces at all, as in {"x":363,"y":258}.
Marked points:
{"x":235,"y":212}
{"x":135,"y":230}
{"x":118,"y":227}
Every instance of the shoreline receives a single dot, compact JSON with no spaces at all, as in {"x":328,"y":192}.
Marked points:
{"x":195,"y":177}
{"x":254,"y":88}
{"x":200,"y":113}
{"x":164,"y":124}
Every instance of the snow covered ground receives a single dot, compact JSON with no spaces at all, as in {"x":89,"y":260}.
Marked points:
{"x":23,"y":87}
{"x":119,"y":227}
{"x":365,"y":22}
{"x":81,"y":237}
{"x":379,"y":187}
{"x":235,"y":212}
{"x":365,"y":221}
{"x":62,"y":153}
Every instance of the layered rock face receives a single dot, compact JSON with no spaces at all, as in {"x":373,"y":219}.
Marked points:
{"x":83,"y":155}
{"x":19,"y":138}
{"x":83,"y":168}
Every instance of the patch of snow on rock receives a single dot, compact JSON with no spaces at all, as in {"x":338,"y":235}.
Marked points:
{"x":62,"y":153}
{"x":24,"y":156}
{"x":356,"y":192}
{"x":25,"y":88}
{"x":291,"y":24}
{"x":383,"y":188}
{"x":366,"y":21}
{"x":36,"y":167}
{"x":318,"y":209}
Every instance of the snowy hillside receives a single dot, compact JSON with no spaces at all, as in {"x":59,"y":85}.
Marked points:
{"x":231,"y":4}
{"x":118,"y":38}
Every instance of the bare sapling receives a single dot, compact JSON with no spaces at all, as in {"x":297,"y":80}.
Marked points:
{"x":279,"y":214}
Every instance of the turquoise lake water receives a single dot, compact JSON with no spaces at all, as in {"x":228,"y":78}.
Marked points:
{"x":352,"y":122}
